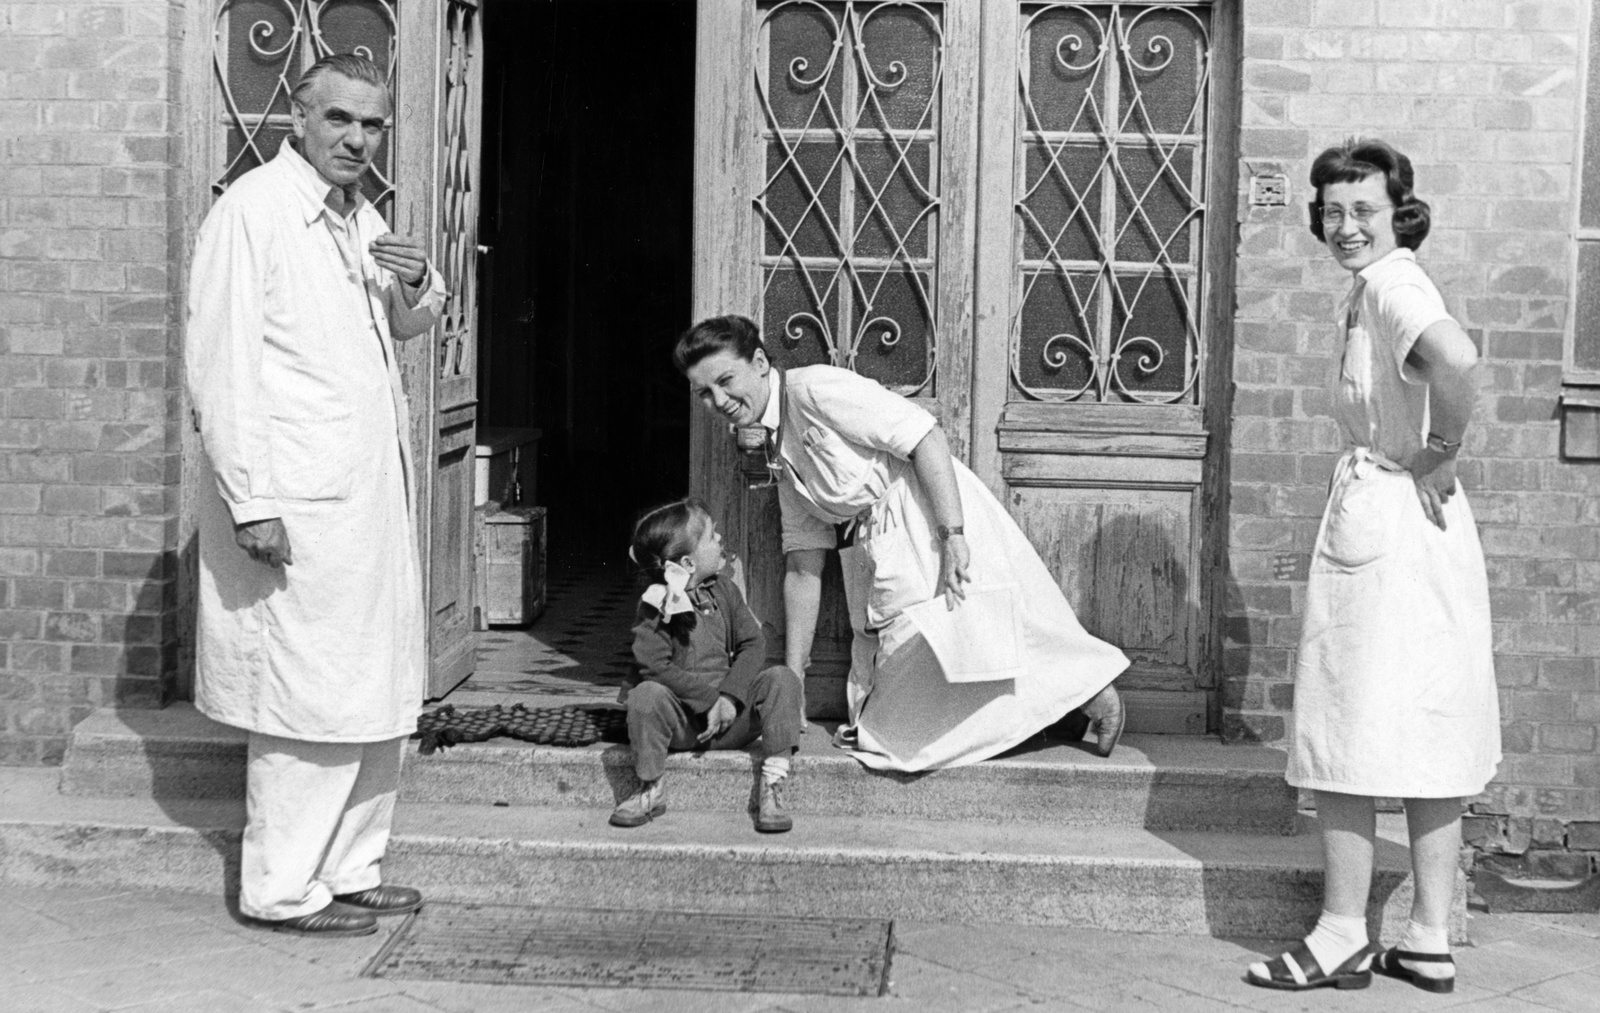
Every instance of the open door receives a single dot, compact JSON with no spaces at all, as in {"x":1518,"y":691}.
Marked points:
{"x":438,"y":124}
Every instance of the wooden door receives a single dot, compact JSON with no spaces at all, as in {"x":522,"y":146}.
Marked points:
{"x":836,"y":144}
{"x":1104,"y":293}
{"x":438,"y":127}
{"x":1018,"y":214}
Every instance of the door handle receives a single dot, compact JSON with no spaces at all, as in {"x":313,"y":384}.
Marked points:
{"x":484,"y":251}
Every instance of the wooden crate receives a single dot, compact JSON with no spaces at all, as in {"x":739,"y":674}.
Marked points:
{"x":509,"y":546}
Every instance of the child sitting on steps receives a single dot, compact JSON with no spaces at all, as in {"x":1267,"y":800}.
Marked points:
{"x":701,"y":650}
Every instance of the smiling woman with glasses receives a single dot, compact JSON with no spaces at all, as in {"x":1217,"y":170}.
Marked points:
{"x":1394,"y":684}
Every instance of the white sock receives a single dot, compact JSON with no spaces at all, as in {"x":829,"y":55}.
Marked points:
{"x":774,"y":769}
{"x":1426,"y":939}
{"x":1336,"y":938}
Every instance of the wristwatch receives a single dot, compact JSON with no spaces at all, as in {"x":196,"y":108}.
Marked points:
{"x":946,"y":530}
{"x":1439,"y":445}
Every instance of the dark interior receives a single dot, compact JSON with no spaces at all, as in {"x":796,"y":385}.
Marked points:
{"x":587,"y":198}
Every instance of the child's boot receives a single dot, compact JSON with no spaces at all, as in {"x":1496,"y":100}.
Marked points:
{"x":769,"y":809}
{"x":642,"y":806}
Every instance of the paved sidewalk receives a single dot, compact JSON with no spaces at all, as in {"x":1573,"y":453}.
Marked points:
{"x":78,"y":951}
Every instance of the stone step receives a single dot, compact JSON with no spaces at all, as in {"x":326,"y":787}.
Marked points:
{"x":1115,"y":878}
{"x":1154,"y":782}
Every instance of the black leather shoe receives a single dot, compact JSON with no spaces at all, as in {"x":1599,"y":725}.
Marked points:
{"x":383,"y":900}
{"x":335,"y":920}
{"x":1106,"y":719}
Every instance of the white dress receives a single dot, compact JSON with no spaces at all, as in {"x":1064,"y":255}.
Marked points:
{"x":1394,"y":681}
{"x":846,"y":443}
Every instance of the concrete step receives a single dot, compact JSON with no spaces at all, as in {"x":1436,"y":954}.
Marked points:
{"x":1114,"y":878}
{"x":1154,"y":782}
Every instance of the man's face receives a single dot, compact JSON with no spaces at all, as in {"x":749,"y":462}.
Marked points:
{"x":340,"y":126}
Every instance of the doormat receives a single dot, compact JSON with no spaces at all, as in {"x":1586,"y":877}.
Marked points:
{"x":546,"y":726}
{"x":584,"y":947}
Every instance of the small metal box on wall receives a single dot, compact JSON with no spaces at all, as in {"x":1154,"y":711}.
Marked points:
{"x":510,"y":565}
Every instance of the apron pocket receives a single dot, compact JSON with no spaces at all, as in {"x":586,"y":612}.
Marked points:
{"x":1366,"y":512}
{"x":897,"y":578}
{"x":313,"y":459}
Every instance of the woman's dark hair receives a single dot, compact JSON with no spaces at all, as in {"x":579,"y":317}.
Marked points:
{"x":1355,"y":160}
{"x":731,"y":333}
{"x":669,"y":531}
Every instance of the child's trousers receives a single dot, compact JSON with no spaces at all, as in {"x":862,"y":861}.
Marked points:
{"x":658,"y":722}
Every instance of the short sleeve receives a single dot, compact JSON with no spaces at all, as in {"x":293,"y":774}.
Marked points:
{"x":863,"y":411}
{"x":1406,"y":310}
{"x":802,"y":529}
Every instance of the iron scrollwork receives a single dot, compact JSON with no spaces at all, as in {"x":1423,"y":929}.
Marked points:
{"x":1100,"y":50}
{"x":857,"y":104}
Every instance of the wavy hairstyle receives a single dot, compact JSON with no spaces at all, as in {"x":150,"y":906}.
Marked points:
{"x":731,"y":333}
{"x":1355,"y":160}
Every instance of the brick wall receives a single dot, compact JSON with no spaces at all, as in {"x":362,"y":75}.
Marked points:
{"x":1483,"y":94}
{"x":88,"y":460}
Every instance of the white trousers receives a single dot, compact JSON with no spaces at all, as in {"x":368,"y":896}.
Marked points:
{"x":318,"y":818}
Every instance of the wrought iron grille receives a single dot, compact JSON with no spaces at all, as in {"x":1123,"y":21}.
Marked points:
{"x":849,"y":203}
{"x":259,"y":50}
{"x":1110,"y":212}
{"x":459,"y":234}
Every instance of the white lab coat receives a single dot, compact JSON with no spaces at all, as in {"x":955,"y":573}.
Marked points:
{"x":292,"y":373}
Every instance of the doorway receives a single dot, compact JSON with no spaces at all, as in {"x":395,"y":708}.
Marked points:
{"x":587,"y":210}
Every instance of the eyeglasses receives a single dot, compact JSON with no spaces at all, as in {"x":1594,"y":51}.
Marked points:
{"x":1361,"y":214}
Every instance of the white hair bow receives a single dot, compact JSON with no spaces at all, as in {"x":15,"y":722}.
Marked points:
{"x":671,"y":597}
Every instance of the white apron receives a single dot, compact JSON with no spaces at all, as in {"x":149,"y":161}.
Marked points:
{"x":904,"y":713}
{"x":1394,"y":685}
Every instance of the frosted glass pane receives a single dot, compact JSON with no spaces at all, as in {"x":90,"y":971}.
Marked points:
{"x":1155,"y":182}
{"x":1064,"y":203}
{"x":1586,"y":322}
{"x":805,"y":76}
{"x":1161,"y":73}
{"x":1065,"y":65}
{"x":1058,"y":329}
{"x":797,"y":322}
{"x":359,"y":26}
{"x":890,"y":195}
{"x":902,"y":61}
{"x":1153,"y":341}
{"x":895,"y":330}
{"x":261,"y":45}
{"x":802,"y":201}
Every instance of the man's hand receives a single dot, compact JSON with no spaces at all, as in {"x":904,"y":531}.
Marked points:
{"x":401,"y":255}
{"x":266,"y":541}
{"x":718,"y":718}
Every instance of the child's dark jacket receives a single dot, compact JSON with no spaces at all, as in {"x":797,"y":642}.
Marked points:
{"x":722,"y":654}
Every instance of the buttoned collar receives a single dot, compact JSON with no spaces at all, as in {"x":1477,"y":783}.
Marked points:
{"x":774,"y":413}
{"x":309,"y":185}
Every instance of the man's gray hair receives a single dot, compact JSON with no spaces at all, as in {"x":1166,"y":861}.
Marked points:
{"x":356,"y":68}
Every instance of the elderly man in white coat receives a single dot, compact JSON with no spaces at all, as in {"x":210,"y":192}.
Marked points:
{"x":311,"y":614}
